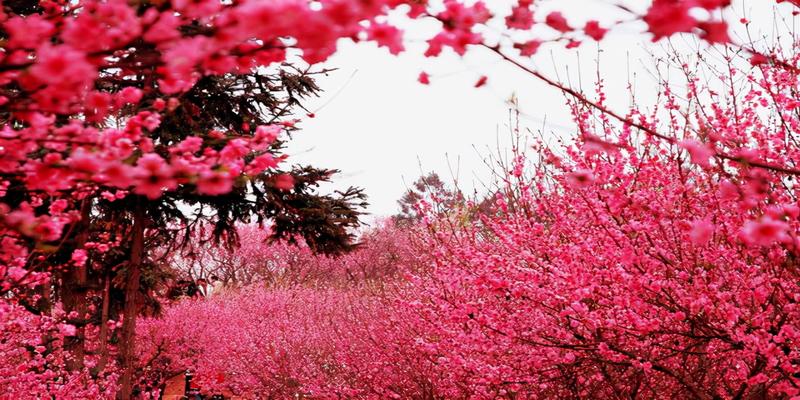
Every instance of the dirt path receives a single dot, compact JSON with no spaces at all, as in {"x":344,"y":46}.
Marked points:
{"x":175,"y":389}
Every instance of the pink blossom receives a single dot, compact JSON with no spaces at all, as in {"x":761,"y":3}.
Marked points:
{"x":102,"y":26}
{"x":79,"y":257}
{"x":666,"y":18}
{"x":234,"y":150}
{"x":764,"y":232}
{"x":214,"y":183}
{"x":283,"y":182}
{"x":130,"y":95}
{"x":118,"y":174}
{"x":66,"y":329}
{"x":153,"y":176}
{"x":58,"y":206}
{"x":758,"y":59}
{"x":701,"y":232}
{"x":594,"y":30}
{"x":189,"y":145}
{"x":713,"y":4}
{"x":521,"y":18}
{"x":266,"y":134}
{"x":715,"y":32}
{"x":424,"y":78}
{"x":164,"y":29}
{"x":529,"y":48}
{"x":386,"y":36}
{"x":62,"y":65}
{"x":557,"y":21}
{"x":699,"y":152}
{"x":47,"y":229}
{"x":261,"y":164}
{"x":82,"y":161}
{"x":580,"y":178}
{"x":29,"y":31}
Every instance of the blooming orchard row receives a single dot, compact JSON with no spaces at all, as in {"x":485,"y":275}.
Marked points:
{"x":624,"y":265}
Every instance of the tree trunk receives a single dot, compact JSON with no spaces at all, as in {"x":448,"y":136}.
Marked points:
{"x":45,"y":303}
{"x":101,"y":364}
{"x":74,"y":294}
{"x":131,"y":311}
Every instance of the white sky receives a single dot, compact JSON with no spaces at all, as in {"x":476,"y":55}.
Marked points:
{"x":382,"y":128}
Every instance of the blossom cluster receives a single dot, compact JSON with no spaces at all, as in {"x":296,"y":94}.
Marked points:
{"x":32,"y":347}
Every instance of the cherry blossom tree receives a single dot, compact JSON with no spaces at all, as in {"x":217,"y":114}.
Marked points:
{"x":431,"y":189}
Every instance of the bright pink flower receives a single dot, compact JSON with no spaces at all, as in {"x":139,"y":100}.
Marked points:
{"x":234,"y":150}
{"x":594,"y":30}
{"x":521,"y":18}
{"x":580,"y":178}
{"x":728,"y":191}
{"x":197,"y":8}
{"x":386,"y":36}
{"x":97,"y":105}
{"x":79,"y":257}
{"x":190,"y":145}
{"x":758,"y":59}
{"x":66,"y":329}
{"x":130,"y":95}
{"x":102,"y":26}
{"x":47,"y":229}
{"x":699,"y":152}
{"x":60,"y":65}
{"x":667,"y":17}
{"x":153,"y":176}
{"x":266,"y":134}
{"x":437,"y":43}
{"x":701,"y":232}
{"x":58,"y":206}
{"x":214,"y":183}
{"x":764,"y":232}
{"x":261,"y":164}
{"x":118,"y":175}
{"x":28,"y":32}
{"x":159,"y":104}
{"x":557,"y":21}
{"x":283,"y":182}
{"x":164,"y":29}
{"x":715,"y":32}
{"x":85,"y":162}
{"x":424,"y":78}
{"x":528,"y":48}
{"x":713,"y":4}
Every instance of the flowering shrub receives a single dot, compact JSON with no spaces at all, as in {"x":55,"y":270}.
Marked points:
{"x":645,"y":280}
{"x":34,"y":359}
{"x":653,"y":259}
{"x":287,"y":342}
